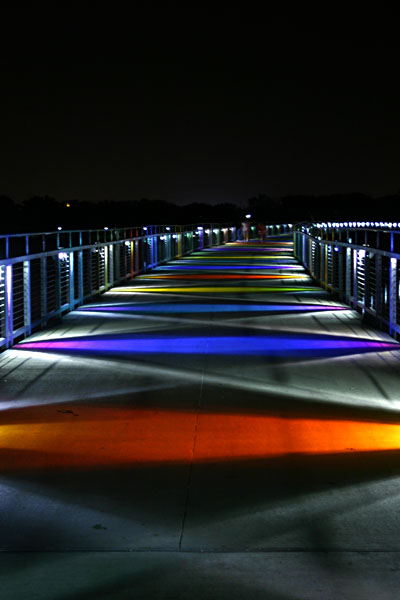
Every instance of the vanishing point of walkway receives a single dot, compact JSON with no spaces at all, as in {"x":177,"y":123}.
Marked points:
{"x":217,"y":428}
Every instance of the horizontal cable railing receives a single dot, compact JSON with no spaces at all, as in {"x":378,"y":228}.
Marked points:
{"x":357,"y":261}
{"x":45,"y":275}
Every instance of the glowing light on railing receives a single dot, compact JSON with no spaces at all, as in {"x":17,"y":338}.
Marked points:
{"x":381,"y":224}
{"x":215,"y":230}
{"x":393,"y":262}
{"x":345,"y":224}
{"x":361,"y":254}
{"x":59,"y":228}
{"x":248,"y":216}
{"x":341,"y":224}
{"x":168,"y":228}
{"x":207,"y":231}
{"x":395,"y":225}
{"x":144,"y":228}
{"x":62,"y":255}
{"x":329,"y":224}
{"x":337,"y":248}
{"x":367,"y":223}
{"x":105,"y":228}
{"x":127,"y":243}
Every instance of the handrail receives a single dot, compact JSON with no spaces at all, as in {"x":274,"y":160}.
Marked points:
{"x":45,"y":275}
{"x":360,"y":264}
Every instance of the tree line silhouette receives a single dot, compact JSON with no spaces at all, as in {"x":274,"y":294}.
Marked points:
{"x":45,"y":213}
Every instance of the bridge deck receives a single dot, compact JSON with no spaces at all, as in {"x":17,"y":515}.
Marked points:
{"x":218,"y":428}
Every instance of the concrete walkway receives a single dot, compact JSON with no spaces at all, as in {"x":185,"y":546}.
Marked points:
{"x":218,"y":428}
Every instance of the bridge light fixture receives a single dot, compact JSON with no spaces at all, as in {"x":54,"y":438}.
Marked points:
{"x":105,"y":228}
{"x":248,"y":216}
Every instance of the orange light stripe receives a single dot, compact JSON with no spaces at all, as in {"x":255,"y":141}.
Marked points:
{"x":51,"y":436}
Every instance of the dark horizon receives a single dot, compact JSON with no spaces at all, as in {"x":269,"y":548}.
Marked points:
{"x":193,"y":104}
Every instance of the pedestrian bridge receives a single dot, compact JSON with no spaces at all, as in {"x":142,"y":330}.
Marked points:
{"x":218,"y":425}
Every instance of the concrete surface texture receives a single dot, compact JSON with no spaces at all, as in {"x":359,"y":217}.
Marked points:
{"x":216,"y":428}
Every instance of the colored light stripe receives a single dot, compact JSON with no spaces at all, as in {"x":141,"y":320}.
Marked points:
{"x":42,"y":438}
{"x":176,"y":266}
{"x":178,"y":308}
{"x":271,"y":345}
{"x":222,"y":276}
{"x":225,"y":257}
{"x":217,"y":289}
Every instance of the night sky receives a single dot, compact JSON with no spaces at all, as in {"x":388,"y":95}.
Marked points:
{"x":193,"y":103}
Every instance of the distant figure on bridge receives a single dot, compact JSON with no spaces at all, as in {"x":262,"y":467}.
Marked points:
{"x":262,"y":232}
{"x":246,"y":230}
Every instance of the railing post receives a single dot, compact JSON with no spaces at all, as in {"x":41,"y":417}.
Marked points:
{"x":27,"y":296}
{"x":393,"y":296}
{"x":80,"y":276}
{"x":43,"y":288}
{"x":71,"y":280}
{"x":9,"y":320}
{"x":132,"y":257}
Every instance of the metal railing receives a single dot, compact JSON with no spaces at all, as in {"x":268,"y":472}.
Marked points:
{"x":359,"y":262}
{"x":43,"y":276}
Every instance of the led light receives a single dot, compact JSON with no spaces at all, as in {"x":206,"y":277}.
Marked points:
{"x":105,"y":228}
{"x":174,"y":236}
{"x":337,"y":248}
{"x":168,"y":228}
{"x":62,"y":255}
{"x":207,"y":231}
{"x":59,"y":228}
{"x":248,"y":216}
{"x":144,"y":228}
{"x":345,"y":224}
{"x":127,"y":244}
